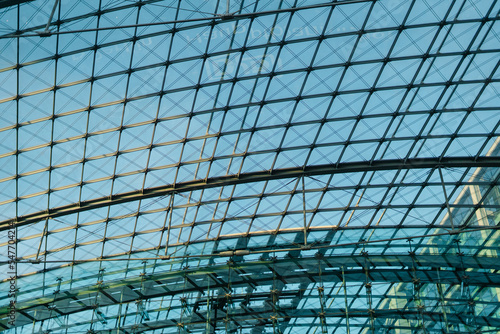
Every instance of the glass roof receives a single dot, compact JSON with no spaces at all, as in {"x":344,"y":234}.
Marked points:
{"x":250,"y":166}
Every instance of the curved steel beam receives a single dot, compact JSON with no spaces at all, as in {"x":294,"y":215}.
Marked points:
{"x":267,"y":175}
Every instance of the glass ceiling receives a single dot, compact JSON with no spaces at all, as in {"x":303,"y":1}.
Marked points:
{"x":250,"y":166}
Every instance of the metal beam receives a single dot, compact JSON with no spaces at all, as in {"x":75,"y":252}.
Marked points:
{"x":8,"y":3}
{"x":267,"y":175}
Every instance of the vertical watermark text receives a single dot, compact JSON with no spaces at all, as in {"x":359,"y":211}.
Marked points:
{"x":12,"y":272}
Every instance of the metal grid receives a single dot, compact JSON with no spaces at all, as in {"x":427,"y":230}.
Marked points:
{"x":289,"y":138}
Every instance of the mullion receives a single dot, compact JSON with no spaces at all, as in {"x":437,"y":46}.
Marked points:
{"x":156,"y":122}
{"x":51,"y":154}
{"x":287,"y":206}
{"x":389,"y":126}
{"x":348,"y":206}
{"x":454,"y":135}
{"x":378,"y":207}
{"x":426,"y":56}
{"x":418,"y":147}
{"x":199,"y":203}
{"x":453,"y":90}
{"x":369,"y":96}
{"x":346,"y":67}
{"x":117,"y":155}
{"x":299,"y":96}
{"x":320,"y":200}
{"x":192,"y":113}
{"x":217,"y":94}
{"x":405,"y":173}
{"x":80,"y":193}
{"x":219,"y":134}
{"x":328,"y":108}
{"x":469,"y":109}
{"x":393,"y":119}
{"x":268,"y":85}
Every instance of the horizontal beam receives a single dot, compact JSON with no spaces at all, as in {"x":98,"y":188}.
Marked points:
{"x":265,"y":175}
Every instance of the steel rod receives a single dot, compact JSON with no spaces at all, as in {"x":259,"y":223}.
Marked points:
{"x":446,"y":198}
{"x":46,"y":30}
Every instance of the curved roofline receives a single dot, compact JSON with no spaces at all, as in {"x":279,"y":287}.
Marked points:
{"x":348,"y":167}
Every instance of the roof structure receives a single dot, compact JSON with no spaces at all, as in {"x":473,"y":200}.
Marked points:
{"x":250,"y":166}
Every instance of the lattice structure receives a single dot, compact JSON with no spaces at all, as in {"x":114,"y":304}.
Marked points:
{"x":250,"y":166}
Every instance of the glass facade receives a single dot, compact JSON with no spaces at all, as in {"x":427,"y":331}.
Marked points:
{"x":250,"y":166}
